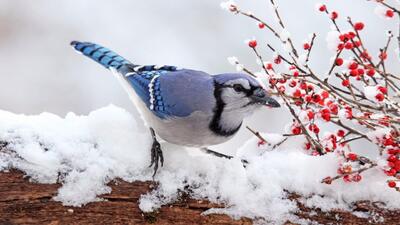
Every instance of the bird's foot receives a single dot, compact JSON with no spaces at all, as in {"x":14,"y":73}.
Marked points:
{"x":211,"y":152}
{"x":156,"y":154}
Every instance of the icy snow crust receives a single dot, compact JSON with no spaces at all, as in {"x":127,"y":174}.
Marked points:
{"x":86,"y":152}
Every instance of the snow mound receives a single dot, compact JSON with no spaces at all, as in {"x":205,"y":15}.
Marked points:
{"x":84,"y":153}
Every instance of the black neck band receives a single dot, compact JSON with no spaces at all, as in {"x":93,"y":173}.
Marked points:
{"x":215,"y":125}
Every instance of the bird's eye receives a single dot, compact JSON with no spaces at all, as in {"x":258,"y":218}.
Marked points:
{"x":238,"y":88}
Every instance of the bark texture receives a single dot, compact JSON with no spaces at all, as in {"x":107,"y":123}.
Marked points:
{"x":24,"y":202}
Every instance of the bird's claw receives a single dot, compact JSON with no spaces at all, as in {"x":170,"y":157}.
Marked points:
{"x":156,"y":156}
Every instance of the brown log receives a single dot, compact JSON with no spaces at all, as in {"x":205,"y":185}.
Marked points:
{"x":24,"y":202}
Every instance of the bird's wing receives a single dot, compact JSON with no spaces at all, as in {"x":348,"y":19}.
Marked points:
{"x":172,"y":93}
{"x":166,"y":90}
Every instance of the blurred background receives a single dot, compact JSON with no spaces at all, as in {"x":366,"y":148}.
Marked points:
{"x":40,"y":72}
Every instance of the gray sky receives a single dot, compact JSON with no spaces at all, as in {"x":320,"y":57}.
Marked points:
{"x":40,"y":72}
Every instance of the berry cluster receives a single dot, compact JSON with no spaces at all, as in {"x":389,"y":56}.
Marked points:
{"x":355,"y":99}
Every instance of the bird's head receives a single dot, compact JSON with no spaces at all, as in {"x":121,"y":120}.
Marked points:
{"x":237,"y":96}
{"x":241,"y":93}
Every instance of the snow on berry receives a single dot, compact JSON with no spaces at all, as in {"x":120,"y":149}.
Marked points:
{"x":229,"y":6}
{"x":375,"y":93}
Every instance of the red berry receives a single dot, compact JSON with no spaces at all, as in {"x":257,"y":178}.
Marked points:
{"x":392,"y":184}
{"x":261,"y":25}
{"x":327,"y":180}
{"x":353,"y":65}
{"x":277,"y":60}
{"x":393,"y":151}
{"x":392,"y":158}
{"x":282,"y":81}
{"x":397,"y":165}
{"x":389,"y":13}
{"x":352,"y":156}
{"x":268,"y":66}
{"x":354,"y":72}
{"x":359,"y":26}
{"x":346,"y":83}
{"x":306,"y":46}
{"x":314,"y":128}
{"x":322,"y":8}
{"x":351,"y":35}
{"x":371,"y":72}
{"x":339,"y":61}
{"x":297,"y":93}
{"x":382,"y":89}
{"x":334,"y":15}
{"x":357,"y":178}
{"x":380,"y":97}
{"x":334,"y":108}
{"x":346,"y":178}
{"x":348,"y":45}
{"x":296,"y":130}
{"x":316,"y":98}
{"x":325,"y":94}
{"x":261,"y":142}
{"x":391,"y":172}
{"x":360,"y":71}
{"x":296,"y":73}
{"x":310,"y":115}
{"x":340,"y":133}
{"x":340,"y":46}
{"x":252,"y":43}
{"x":383,"y":56}
{"x":326,"y":116}
{"x":303,"y":85}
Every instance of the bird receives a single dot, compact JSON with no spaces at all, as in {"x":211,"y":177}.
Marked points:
{"x":184,"y":106}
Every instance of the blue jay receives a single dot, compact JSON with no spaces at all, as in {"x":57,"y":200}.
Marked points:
{"x":183,"y":106}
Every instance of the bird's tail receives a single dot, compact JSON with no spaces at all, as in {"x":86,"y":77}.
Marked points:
{"x":100,"y":54}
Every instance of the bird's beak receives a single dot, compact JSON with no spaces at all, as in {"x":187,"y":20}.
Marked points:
{"x":261,"y":97}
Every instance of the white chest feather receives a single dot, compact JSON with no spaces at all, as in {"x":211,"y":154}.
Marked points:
{"x":192,"y":130}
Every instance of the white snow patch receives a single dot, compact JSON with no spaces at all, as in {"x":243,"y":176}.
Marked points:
{"x":285,"y":34}
{"x":233,"y":60}
{"x":89,"y":151}
{"x":332,"y":40}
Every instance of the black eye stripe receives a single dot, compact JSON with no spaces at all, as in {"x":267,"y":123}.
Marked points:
{"x":248,"y":92}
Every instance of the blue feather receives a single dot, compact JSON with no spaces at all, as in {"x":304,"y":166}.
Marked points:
{"x":102,"y":55}
{"x":162,"y":97}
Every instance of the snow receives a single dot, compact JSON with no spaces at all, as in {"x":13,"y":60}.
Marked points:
{"x":227,"y":5}
{"x":84,"y":153}
{"x":332,"y":40}
{"x":285,"y":34}
{"x":380,"y":11}
{"x":233,"y":60}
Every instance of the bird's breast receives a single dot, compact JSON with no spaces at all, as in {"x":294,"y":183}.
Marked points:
{"x":192,"y":130}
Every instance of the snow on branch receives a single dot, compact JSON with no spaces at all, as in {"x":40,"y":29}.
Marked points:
{"x":357,"y":99}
